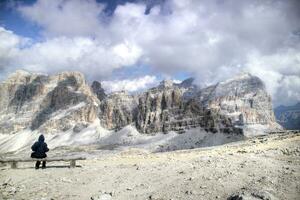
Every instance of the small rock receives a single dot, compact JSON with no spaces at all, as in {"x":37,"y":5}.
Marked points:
{"x":7,"y":182}
{"x":110,"y":193}
{"x":12,"y":190}
{"x":242,"y":151}
{"x":188,"y":192}
{"x":102,"y":197}
{"x":253,"y":195}
{"x":66,"y":180}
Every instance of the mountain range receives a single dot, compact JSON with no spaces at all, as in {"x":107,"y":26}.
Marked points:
{"x":288,"y":116}
{"x":56,"y":105}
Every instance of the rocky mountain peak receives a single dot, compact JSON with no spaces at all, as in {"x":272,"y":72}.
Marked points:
{"x":166,"y":84}
{"x":98,"y":90}
{"x":19,"y":77}
{"x":242,"y":99}
{"x":48,"y":103}
{"x":19,"y":73}
{"x":187,"y":83}
{"x":236,"y":86}
{"x":71,"y":78}
{"x":238,"y":77}
{"x":61,"y":102}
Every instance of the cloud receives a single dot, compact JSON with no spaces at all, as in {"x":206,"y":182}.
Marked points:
{"x":82,"y":54}
{"x":65,"y":17}
{"x":130,"y":85}
{"x":10,"y":46}
{"x":211,"y":39}
{"x":280,"y":72}
{"x":62,"y":53}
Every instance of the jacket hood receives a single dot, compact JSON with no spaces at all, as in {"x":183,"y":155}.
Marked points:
{"x":41,"y":138}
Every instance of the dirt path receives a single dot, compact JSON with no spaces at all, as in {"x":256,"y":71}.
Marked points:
{"x":265,"y":167}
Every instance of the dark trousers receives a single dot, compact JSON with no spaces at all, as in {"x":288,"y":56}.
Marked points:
{"x":37,"y":164}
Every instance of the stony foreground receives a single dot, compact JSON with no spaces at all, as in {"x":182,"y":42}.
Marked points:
{"x":260,"y":168}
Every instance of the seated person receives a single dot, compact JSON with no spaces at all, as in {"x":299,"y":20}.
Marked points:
{"x":39,"y":149}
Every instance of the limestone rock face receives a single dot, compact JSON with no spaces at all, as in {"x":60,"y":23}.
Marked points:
{"x":47,"y":103}
{"x":174,"y":107}
{"x":98,"y":90}
{"x":62,"y":102}
{"x":243,"y":100}
{"x":163,"y":109}
{"x":117,"y":110}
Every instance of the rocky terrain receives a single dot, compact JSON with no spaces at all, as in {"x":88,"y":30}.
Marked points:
{"x":47,"y":103}
{"x":264,"y":167}
{"x":146,"y":145}
{"x":288,"y":116}
{"x":66,"y":108}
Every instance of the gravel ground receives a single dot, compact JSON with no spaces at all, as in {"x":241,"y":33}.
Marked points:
{"x":266,"y":167}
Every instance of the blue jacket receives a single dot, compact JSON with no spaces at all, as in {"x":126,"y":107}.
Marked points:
{"x":39,"y":148}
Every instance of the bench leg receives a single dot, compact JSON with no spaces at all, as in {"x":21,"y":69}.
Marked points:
{"x":14,"y":165}
{"x":72,"y":163}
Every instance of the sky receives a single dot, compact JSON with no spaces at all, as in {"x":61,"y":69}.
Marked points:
{"x":134,"y":44}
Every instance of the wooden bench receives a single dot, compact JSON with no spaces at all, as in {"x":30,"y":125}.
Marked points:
{"x":14,"y":161}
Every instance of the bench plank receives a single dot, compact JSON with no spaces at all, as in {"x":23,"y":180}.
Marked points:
{"x":41,"y":159}
{"x":14,"y":161}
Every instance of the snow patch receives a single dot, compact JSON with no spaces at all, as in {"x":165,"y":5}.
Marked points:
{"x":63,"y":113}
{"x":251,"y":130}
{"x":128,"y":137}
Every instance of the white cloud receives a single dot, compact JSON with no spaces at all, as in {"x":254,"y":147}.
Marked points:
{"x":209,"y":38}
{"x":10,"y":46}
{"x":280,"y":72}
{"x":65,"y":17}
{"x":130,"y":85}
{"x":62,"y":53}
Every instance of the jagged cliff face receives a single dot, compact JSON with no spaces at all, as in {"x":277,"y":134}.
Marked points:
{"x":47,"y":103}
{"x":225,"y":107}
{"x":98,"y":90}
{"x":117,"y":110}
{"x":62,"y":102}
{"x":170,"y":107}
{"x":243,"y":100}
{"x":159,"y":109}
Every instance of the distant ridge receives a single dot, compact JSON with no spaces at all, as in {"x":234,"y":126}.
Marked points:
{"x":289,"y":116}
{"x":66,"y":103}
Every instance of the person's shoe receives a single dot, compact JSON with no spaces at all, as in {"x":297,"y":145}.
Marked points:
{"x":44,"y":167}
{"x":36,"y":167}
